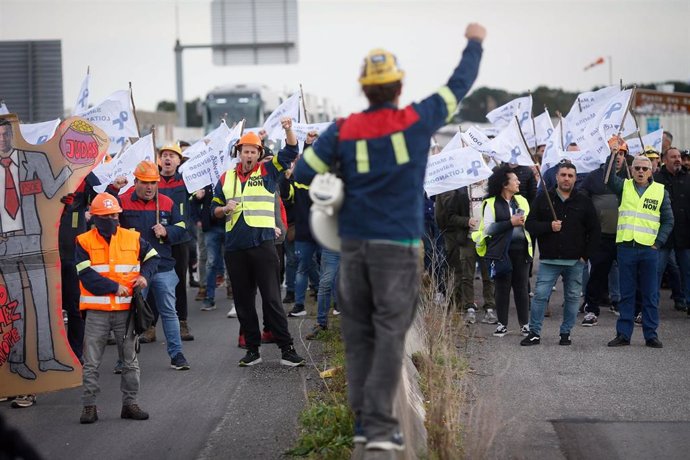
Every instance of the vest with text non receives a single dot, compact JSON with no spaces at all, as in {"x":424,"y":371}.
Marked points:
{"x":256,"y":203}
{"x":639,"y":217}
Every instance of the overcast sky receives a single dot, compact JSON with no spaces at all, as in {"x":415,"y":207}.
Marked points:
{"x":529,"y":43}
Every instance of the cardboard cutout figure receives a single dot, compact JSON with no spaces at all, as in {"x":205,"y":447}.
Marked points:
{"x":34,"y":353}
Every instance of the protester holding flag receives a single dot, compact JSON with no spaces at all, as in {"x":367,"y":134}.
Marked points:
{"x":645,"y":221}
{"x":566,"y":242}
{"x":172,"y":185}
{"x":503,"y":240}
{"x":245,"y":197}
{"x":602,"y":260}
{"x":383,"y":153}
{"x":156,"y":217}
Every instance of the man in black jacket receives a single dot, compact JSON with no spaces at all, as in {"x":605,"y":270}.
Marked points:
{"x":677,"y":183}
{"x":565,"y":245}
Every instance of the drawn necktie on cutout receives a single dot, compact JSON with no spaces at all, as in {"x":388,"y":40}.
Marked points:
{"x":11,"y":197}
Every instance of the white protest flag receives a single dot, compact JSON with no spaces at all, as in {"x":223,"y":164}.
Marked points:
{"x":455,"y":142}
{"x":289,"y":108}
{"x":82,"y":104}
{"x":585,"y":102}
{"x":543,"y":126}
{"x":452,"y":169}
{"x":553,"y":148}
{"x":3,"y":108}
{"x":114,"y":116}
{"x":210,"y":157}
{"x":123,"y":165}
{"x":476,"y":139}
{"x":39,"y":133}
{"x":520,"y":107}
{"x":509,"y":147}
{"x":652,"y":139}
{"x":611,"y":114}
{"x":302,"y":129}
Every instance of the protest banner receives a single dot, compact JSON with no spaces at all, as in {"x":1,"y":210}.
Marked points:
{"x":452,"y":169}
{"x":653,"y":139}
{"x":3,"y":108}
{"x":509,"y":146}
{"x":35,"y":356}
{"x":503,"y":115}
{"x":289,"y":108}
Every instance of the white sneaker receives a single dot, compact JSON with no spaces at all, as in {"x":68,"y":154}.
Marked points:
{"x":501,"y":330}
{"x":524,"y":330}
{"x":490,"y":317}
{"x":471,"y":316}
{"x":232,"y":313}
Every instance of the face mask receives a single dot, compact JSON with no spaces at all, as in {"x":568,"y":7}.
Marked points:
{"x":105,"y":226}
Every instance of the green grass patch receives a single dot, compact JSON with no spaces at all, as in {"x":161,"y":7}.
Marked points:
{"x":327,"y":421}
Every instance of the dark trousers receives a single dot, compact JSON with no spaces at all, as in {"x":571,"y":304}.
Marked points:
{"x":253,"y":268}
{"x":180,"y":253}
{"x":70,"y":303}
{"x":600,"y":266}
{"x":518,"y":280}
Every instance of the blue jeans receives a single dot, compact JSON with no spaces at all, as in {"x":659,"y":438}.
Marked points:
{"x":330,"y":261}
{"x":572,"y":286}
{"x":306,"y":268}
{"x":683,"y":260}
{"x":290,"y":265}
{"x":215,"y":263}
{"x":614,"y":283}
{"x":162,"y":285}
{"x":638,"y":274}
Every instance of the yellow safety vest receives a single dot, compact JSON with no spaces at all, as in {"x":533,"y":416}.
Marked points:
{"x":480,"y":238}
{"x":639,"y":216}
{"x":256,"y":203}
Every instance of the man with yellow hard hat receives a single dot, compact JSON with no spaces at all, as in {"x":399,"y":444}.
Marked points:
{"x":382,"y":154}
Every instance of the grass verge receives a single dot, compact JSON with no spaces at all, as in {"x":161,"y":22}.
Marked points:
{"x":327,"y":422}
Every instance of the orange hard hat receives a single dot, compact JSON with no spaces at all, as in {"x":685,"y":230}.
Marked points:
{"x":250,"y":138}
{"x":104,"y":204}
{"x":147,"y":171}
{"x":616,"y":142}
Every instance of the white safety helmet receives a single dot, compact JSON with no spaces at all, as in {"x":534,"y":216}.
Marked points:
{"x":327,"y":193}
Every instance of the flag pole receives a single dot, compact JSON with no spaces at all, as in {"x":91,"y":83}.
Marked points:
{"x":534,"y":126}
{"x":560,"y":125}
{"x":155,"y":156}
{"x":620,"y":130}
{"x":134,"y":111}
{"x":546,"y":192}
{"x":304,"y":105}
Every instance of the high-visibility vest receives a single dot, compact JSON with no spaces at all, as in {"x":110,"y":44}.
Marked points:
{"x":639,"y":216}
{"x":256,"y":203}
{"x":481,"y":239}
{"x":117,"y":261}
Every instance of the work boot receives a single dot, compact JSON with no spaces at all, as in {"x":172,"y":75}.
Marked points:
{"x":149,"y":335}
{"x":185,"y":332}
{"x":134,"y":412}
{"x":201,"y":295}
{"x":89,"y":414}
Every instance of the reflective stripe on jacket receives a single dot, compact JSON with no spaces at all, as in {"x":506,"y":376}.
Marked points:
{"x":117,"y":261}
{"x":639,"y":216}
{"x":256,"y":203}
{"x":482,"y":239}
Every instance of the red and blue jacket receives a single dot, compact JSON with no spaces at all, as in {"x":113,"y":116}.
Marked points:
{"x":140,"y":215}
{"x":174,"y":188}
{"x":382,"y":153}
